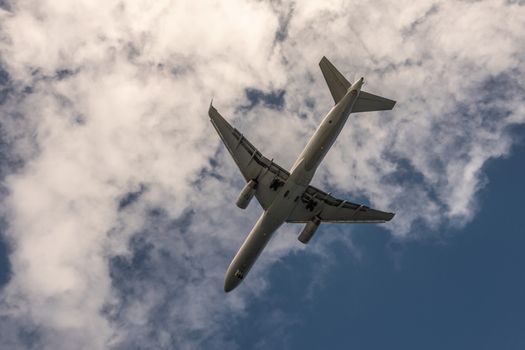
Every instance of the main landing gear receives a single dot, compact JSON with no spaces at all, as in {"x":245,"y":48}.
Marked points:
{"x":276,"y":183}
{"x":311,"y":205}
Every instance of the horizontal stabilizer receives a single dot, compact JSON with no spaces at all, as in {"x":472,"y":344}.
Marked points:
{"x":336,"y":82}
{"x":368,"y":102}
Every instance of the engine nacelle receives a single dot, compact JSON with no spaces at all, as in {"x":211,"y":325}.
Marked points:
{"x":246,"y":194}
{"x":309,"y":230}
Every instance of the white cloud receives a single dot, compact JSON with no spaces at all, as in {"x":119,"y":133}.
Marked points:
{"x":128,"y":111}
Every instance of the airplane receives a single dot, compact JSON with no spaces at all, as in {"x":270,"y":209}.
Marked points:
{"x":287,"y":196}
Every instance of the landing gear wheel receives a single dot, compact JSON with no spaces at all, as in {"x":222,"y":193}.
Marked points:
{"x":276,"y":183}
{"x":311,"y":205}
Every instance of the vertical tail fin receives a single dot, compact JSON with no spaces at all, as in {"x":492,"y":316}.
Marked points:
{"x":336,"y":82}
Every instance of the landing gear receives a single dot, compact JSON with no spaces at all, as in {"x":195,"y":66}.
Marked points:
{"x":311,"y":205}
{"x":276,"y":183}
{"x":239,"y":274}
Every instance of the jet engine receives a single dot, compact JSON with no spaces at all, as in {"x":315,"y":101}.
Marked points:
{"x":246,"y":194}
{"x":309,"y":230}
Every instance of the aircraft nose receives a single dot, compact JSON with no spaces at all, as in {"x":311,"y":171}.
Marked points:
{"x":228,"y":286}
{"x":230,"y":282}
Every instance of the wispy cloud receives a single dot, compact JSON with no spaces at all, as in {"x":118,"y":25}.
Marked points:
{"x":119,"y":199}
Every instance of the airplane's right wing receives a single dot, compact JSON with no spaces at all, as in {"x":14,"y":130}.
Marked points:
{"x":316,"y":203}
{"x":251,"y":162}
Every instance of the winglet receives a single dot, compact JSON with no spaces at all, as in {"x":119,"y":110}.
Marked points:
{"x":211,"y":108}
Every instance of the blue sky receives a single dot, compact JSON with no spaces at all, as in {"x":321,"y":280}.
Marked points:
{"x":117,"y":211}
{"x":461,"y":290}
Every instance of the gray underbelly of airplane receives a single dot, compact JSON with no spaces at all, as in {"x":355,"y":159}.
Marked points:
{"x":324,"y":138}
{"x":262,"y":232}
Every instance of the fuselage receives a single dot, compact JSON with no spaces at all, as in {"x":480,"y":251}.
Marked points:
{"x":285,"y":201}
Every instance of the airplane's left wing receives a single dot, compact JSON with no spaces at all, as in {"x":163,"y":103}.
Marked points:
{"x":252,"y":164}
{"x":316,"y":203}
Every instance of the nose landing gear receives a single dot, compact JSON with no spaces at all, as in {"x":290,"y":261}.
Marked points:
{"x":239,"y":274}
